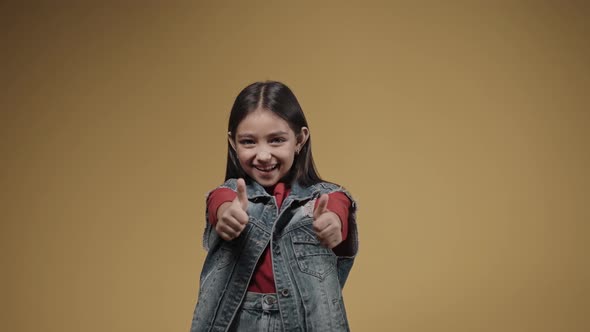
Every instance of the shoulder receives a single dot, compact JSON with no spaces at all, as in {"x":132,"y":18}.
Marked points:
{"x":229,"y":184}
{"x":327,"y":188}
{"x":331,"y":189}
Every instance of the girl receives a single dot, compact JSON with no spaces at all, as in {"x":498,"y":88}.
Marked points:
{"x":280,"y":240}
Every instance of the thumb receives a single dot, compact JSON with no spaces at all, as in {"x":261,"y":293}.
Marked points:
{"x":322,"y":206}
{"x":242,"y":195}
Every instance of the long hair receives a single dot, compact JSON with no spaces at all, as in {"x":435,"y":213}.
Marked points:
{"x":279,"y":99}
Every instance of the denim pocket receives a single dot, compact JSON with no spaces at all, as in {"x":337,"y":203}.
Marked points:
{"x":312,"y":258}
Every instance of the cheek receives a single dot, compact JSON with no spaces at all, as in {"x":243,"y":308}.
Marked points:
{"x":244,"y":156}
{"x":287,"y":156}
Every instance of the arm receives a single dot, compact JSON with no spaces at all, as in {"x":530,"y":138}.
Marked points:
{"x":331,"y":214}
{"x":217,"y":201}
{"x":227,"y":211}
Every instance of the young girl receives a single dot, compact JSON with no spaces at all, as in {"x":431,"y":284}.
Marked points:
{"x":280,"y":240}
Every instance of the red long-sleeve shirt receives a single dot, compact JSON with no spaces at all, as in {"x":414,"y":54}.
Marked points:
{"x":263,"y":279}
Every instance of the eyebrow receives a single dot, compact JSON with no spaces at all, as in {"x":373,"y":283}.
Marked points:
{"x":275,"y":133}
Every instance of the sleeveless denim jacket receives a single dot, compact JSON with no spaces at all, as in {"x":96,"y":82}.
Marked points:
{"x":308,"y":277}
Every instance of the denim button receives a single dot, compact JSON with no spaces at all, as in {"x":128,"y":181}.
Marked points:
{"x":285,"y":292}
{"x":270,"y":300}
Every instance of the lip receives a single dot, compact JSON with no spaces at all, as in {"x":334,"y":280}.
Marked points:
{"x":266,"y":168}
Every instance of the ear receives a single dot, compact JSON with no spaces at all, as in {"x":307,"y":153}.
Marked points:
{"x":231,"y":141}
{"x":302,"y":138}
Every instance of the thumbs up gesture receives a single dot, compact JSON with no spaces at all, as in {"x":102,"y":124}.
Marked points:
{"x":326,"y":224}
{"x":232,"y":217}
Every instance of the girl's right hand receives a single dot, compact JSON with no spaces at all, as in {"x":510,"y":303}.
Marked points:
{"x":232,"y":217}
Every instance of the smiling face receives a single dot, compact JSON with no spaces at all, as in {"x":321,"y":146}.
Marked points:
{"x":266,"y":146}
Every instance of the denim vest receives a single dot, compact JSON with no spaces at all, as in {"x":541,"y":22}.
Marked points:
{"x":308,"y":277}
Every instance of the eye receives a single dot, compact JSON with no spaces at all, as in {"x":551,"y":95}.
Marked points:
{"x":246,"y":141}
{"x":278,"y":140}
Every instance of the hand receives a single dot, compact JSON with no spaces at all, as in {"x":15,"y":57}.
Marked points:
{"x":327,"y":224}
{"x":232,"y":217}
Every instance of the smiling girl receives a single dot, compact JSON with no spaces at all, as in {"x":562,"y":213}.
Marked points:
{"x":280,"y":241}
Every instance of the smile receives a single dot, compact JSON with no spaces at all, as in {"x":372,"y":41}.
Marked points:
{"x":266,"y":168}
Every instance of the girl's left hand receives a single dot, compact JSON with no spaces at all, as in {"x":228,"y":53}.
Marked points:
{"x":327,"y":224}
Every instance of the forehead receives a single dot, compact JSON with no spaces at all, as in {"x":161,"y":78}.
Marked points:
{"x":261,"y":122}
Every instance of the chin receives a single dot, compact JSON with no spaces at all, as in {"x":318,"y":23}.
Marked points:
{"x":267,"y":183}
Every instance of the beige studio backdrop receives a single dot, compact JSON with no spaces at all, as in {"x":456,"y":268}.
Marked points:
{"x":462,"y":130}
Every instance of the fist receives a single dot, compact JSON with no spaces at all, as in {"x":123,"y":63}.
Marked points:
{"x":327,"y":224}
{"x":232,"y":217}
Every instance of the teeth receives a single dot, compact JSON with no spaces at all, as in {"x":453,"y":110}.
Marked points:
{"x":266,"y":169}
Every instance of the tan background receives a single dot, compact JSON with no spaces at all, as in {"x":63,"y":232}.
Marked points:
{"x":462,"y":130}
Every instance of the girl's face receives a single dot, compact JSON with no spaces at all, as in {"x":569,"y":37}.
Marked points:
{"x":266,"y":146}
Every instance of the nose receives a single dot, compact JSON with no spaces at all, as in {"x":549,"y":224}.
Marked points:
{"x":263,"y":155}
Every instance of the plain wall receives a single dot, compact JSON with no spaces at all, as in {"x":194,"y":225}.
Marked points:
{"x":462,"y":130}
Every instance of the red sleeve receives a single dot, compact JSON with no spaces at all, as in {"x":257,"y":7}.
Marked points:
{"x":214,"y":201}
{"x":339,"y":203}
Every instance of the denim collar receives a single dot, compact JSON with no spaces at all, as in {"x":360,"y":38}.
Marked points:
{"x":298,"y":192}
